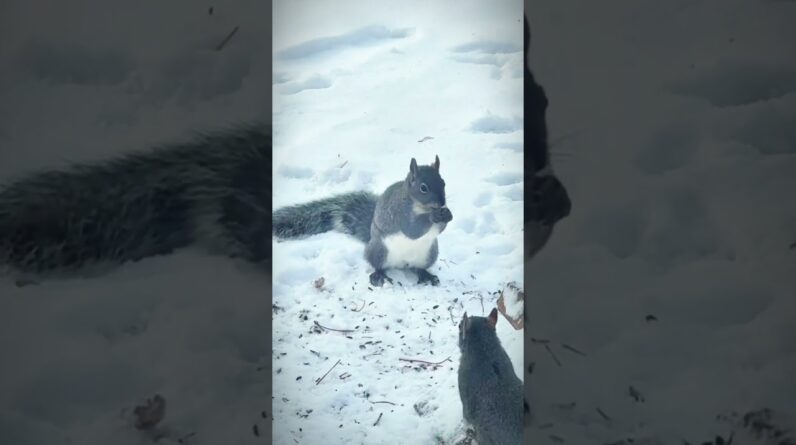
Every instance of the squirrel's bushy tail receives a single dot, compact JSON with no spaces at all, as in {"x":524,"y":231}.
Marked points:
{"x":350,"y":213}
{"x":213,"y":190}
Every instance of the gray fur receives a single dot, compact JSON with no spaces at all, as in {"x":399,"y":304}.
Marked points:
{"x":214,"y":190}
{"x":395,"y":213}
{"x":349,"y":213}
{"x":412,"y":207}
{"x":490,"y":391}
{"x":404,"y":209}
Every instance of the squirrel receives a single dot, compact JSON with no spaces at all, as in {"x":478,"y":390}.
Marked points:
{"x":546,"y":200}
{"x":400,"y":226}
{"x":213,"y":191}
{"x":490,"y":391}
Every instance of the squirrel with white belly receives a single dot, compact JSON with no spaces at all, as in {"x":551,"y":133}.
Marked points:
{"x":400,"y":226}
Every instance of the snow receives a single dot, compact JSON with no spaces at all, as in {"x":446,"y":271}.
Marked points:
{"x":678,"y":152}
{"x":89,"y":80}
{"x":358,"y":129}
{"x":671,"y":125}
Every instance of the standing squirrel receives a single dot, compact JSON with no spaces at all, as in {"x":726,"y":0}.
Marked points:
{"x":490,"y":391}
{"x":213,"y":191}
{"x":546,"y":198}
{"x":400,"y":227}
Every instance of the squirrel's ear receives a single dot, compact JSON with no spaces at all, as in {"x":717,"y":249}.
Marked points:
{"x":413,"y":167}
{"x":463,"y":327}
{"x":492,"y":319}
{"x":436,"y":162}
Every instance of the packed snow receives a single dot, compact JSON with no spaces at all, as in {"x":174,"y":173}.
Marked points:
{"x":662,"y":307}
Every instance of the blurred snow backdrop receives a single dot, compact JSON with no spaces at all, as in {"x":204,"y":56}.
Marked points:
{"x":360,"y":88}
{"x":672,"y":126}
{"x":88,"y":80}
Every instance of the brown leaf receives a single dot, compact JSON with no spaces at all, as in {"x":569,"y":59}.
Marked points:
{"x":513,"y":293}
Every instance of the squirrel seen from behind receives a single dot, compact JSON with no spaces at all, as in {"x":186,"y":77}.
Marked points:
{"x":490,"y":391}
{"x":400,"y":227}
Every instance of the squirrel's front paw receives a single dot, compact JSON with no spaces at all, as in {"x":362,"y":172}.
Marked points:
{"x":378,"y":277}
{"x":550,"y":201}
{"x":424,"y":276}
{"x":441,"y":215}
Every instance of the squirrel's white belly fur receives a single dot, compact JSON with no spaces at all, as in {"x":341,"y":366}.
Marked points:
{"x":403,"y":251}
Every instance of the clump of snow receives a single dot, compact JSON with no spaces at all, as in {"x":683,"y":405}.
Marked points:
{"x":511,"y":304}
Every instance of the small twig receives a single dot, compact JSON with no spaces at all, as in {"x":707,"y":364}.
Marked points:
{"x":566,"y":406}
{"x":602,"y":413}
{"x":539,"y":340}
{"x":423,"y":361}
{"x":360,"y":309}
{"x":343,"y":164}
{"x":22,"y":282}
{"x":383,"y":401}
{"x":185,"y":437}
{"x":345,"y":331}
{"x":317,"y":381}
{"x":552,"y":354}
{"x":566,"y":346}
{"x":377,"y":420}
{"x":226,"y":39}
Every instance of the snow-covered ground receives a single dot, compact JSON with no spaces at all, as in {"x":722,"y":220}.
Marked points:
{"x":360,"y":90}
{"x":672,"y":128}
{"x":87,"y":80}
{"x":673,"y":125}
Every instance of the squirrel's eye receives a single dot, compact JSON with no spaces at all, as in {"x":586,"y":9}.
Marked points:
{"x":423,"y":188}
